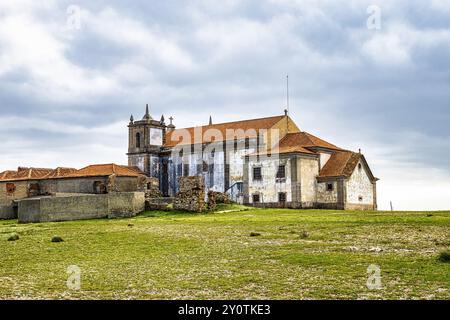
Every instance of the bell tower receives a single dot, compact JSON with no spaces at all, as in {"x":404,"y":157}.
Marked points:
{"x":145,"y":140}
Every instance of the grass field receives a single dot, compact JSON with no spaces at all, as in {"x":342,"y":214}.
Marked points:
{"x":299,"y":254}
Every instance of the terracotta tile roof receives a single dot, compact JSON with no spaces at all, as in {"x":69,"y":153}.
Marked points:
{"x":340,"y":164}
{"x":61,"y":172}
{"x":301,"y":142}
{"x":98,"y":170}
{"x":136,"y":169}
{"x":7,"y":175}
{"x":307,"y":140}
{"x":23,"y":174}
{"x":173,"y":137}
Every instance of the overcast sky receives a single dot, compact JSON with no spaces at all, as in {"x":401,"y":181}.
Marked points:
{"x":70,"y":76}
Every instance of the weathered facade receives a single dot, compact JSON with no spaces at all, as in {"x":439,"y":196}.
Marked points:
{"x":64,"y":193}
{"x":260,"y":162}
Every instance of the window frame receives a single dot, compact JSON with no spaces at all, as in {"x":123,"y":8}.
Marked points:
{"x":278,"y":175}
{"x":258,"y":177}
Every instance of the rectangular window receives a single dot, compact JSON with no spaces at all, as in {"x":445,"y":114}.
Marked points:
{"x":329,"y":187}
{"x":179,"y":170}
{"x":186,"y":170}
{"x":256,"y":198}
{"x":10,"y":188}
{"x":282,"y":197}
{"x":257,"y":176}
{"x":281,"y":173}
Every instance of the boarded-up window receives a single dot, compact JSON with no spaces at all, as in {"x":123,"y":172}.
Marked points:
{"x":281,"y":173}
{"x":10,"y":188}
{"x":99,"y":187}
{"x":33,"y":190}
{"x":257,"y":176}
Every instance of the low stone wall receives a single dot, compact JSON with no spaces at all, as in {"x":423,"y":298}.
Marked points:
{"x":125,"y":204}
{"x":7,"y":212}
{"x":359,"y":207}
{"x":81,"y":207}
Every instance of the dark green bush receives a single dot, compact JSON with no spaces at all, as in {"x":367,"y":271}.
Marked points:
{"x":444,"y":256}
{"x":13,"y":237}
{"x":57,"y":239}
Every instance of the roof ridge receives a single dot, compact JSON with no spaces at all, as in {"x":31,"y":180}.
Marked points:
{"x":223,"y":123}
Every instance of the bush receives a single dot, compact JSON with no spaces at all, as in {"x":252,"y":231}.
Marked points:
{"x":57,"y":239}
{"x":13,"y":237}
{"x":444,"y":256}
{"x":254,"y":234}
{"x":304,"y":234}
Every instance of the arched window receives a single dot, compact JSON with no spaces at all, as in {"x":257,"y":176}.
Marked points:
{"x":138,"y":140}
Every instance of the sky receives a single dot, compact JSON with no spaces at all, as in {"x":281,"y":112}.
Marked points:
{"x":373,"y":75}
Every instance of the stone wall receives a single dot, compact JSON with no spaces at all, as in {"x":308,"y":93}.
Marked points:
{"x":308,"y":169}
{"x":360,"y":190}
{"x":7,"y":212}
{"x":20,"y":191}
{"x":191,"y":196}
{"x":80,"y":207}
{"x":326,"y":196}
{"x":270,"y":186}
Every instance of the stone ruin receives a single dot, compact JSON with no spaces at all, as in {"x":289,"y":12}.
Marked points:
{"x":152,"y":188}
{"x":191,"y":196}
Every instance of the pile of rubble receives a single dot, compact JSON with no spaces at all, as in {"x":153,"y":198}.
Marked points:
{"x":220,"y":197}
{"x":192,"y":195}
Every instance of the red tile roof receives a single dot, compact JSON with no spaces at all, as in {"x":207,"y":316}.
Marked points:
{"x":340,"y":164}
{"x":301,"y":142}
{"x":252,"y":126}
{"x":98,"y":170}
{"x":23,"y":174}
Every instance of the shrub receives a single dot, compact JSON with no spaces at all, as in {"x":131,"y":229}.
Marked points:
{"x":57,"y":239}
{"x":254,"y":234}
{"x":444,"y":256}
{"x":304,"y":234}
{"x":13,"y":237}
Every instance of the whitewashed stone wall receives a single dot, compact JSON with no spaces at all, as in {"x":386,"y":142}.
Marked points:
{"x":359,"y":185}
{"x":308,"y":169}
{"x":325,"y":196}
{"x":269,"y":187}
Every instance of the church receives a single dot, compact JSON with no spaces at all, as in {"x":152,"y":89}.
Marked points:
{"x":265,"y":162}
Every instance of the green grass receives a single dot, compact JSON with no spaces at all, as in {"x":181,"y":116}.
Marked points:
{"x":177,"y":255}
